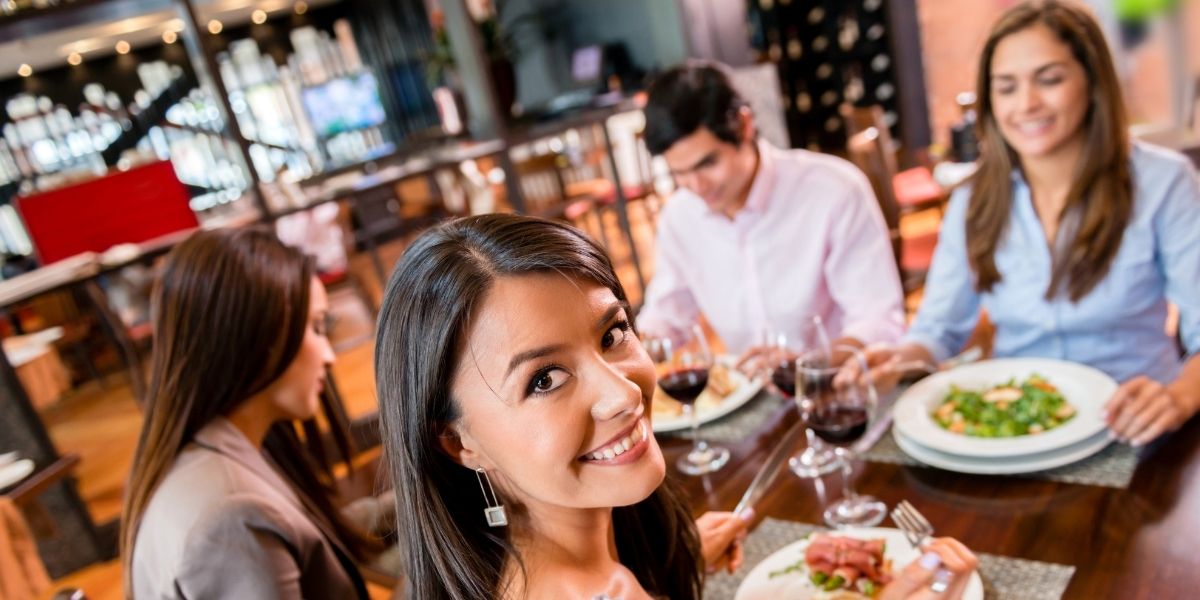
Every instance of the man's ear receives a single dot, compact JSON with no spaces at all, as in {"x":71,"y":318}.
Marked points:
{"x":451,"y":442}
{"x":746,"y":127}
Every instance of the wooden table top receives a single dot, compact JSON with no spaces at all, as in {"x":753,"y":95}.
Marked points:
{"x":1139,"y":542}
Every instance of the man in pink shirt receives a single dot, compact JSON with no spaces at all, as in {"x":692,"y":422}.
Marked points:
{"x":758,"y":238}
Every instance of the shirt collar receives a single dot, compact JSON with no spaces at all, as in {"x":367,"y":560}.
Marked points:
{"x":759,"y":196}
{"x":764,"y":179}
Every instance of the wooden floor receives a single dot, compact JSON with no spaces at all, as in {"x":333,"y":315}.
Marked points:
{"x":101,"y":423}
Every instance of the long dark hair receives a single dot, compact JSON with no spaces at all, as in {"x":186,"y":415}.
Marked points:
{"x":1102,"y":184}
{"x":230,"y":311}
{"x":449,"y":551}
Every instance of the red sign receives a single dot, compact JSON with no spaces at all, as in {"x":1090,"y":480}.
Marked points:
{"x":133,"y":206}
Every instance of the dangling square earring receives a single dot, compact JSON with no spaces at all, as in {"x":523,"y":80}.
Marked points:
{"x":496,"y":517}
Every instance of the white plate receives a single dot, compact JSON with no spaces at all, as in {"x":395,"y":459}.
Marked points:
{"x":759,"y":585}
{"x":15,"y":472}
{"x":711,"y":410}
{"x":1004,"y":465}
{"x":1085,"y":388}
{"x":8,"y":458}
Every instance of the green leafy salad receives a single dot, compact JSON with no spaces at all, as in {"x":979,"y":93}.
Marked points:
{"x":1007,"y":410}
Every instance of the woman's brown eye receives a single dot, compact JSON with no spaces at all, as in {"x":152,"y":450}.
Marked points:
{"x":543,"y":382}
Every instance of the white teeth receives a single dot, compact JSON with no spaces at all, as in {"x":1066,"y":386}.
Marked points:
{"x":622,"y":445}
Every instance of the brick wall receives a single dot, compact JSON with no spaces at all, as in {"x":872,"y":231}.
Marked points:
{"x":953,"y":32}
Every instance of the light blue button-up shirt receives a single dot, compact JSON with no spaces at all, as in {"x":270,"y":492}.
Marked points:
{"x":1118,"y":326}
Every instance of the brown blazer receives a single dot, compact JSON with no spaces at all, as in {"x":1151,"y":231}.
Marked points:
{"x":225,"y":524}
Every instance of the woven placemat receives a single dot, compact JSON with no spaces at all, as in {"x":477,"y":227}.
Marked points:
{"x":1112,"y":467}
{"x":739,"y":424}
{"x":1004,"y":578}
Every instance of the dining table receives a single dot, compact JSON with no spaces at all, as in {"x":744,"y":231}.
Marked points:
{"x":1136,"y":540}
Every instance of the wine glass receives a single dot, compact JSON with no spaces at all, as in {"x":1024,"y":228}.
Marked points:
{"x":683,"y":364}
{"x":841,"y":419}
{"x":779,"y":361}
{"x":814,"y":384}
{"x":814,"y":372}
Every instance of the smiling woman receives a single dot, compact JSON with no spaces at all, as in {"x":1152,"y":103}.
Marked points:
{"x":1071,"y":237}
{"x":521,"y":367}
{"x":507,"y":360}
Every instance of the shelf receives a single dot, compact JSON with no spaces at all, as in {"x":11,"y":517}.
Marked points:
{"x":29,"y":23}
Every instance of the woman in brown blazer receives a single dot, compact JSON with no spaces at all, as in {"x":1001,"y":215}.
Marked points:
{"x":223,"y":500}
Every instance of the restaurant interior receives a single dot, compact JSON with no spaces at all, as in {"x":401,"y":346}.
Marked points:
{"x":351,"y":127}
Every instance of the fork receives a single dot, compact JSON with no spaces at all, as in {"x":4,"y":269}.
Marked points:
{"x":915,"y":526}
{"x":917,"y":529}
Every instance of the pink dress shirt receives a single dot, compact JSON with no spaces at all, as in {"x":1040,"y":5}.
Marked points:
{"x":810,"y":240}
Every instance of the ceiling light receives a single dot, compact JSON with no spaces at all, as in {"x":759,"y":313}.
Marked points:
{"x":122,"y":47}
{"x":25,"y":70}
{"x":259,"y":16}
{"x":301,"y":7}
{"x":74,"y":59}
{"x":215,"y":27}
{"x":169,"y":37}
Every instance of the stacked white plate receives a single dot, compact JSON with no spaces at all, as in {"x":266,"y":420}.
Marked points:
{"x":1085,"y":388}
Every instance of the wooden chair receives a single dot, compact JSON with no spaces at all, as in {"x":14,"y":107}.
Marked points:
{"x":914,"y":189}
{"x":913,"y":254}
{"x":544,"y":184}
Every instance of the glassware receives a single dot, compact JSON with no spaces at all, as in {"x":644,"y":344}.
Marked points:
{"x":814,"y":371}
{"x":814,"y":384}
{"x":683,"y":366}
{"x":779,"y":362}
{"x":842,"y":419}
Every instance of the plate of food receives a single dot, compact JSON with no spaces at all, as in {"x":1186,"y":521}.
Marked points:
{"x":850,"y":564}
{"x":1029,"y":463}
{"x":1005,"y":407}
{"x":728,"y":389}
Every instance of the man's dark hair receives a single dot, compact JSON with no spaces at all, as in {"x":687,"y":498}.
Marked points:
{"x":687,"y":97}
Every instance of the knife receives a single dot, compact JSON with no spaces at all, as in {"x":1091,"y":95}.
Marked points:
{"x":766,"y":473}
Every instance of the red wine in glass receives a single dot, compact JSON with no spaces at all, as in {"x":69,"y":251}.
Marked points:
{"x":839,"y":424}
{"x":784,"y":378}
{"x":685,"y":385}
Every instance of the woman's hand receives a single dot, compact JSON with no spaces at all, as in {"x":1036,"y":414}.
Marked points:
{"x":721,"y":535}
{"x":1143,"y":409}
{"x":881,"y":360}
{"x":945,"y":560}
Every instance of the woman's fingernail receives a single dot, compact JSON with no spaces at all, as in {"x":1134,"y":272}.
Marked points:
{"x":930,"y":561}
{"x":1112,"y":435}
{"x":747,"y":515}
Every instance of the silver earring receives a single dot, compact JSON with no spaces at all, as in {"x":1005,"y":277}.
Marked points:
{"x":495,"y":515}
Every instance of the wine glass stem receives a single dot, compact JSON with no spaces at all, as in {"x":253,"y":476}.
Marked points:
{"x":814,"y":442}
{"x":698,"y":445}
{"x":847,"y":473}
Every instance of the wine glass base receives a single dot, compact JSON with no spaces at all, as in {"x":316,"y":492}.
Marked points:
{"x":811,"y":464}
{"x":859,"y":511}
{"x":702,"y":462}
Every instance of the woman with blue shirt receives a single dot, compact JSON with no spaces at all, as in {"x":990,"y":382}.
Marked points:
{"x":1071,"y":237}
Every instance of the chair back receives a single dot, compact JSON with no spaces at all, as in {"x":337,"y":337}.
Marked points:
{"x":866,"y":151}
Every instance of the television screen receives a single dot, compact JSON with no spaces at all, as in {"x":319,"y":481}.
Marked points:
{"x":344,"y":104}
{"x":586,"y":63}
